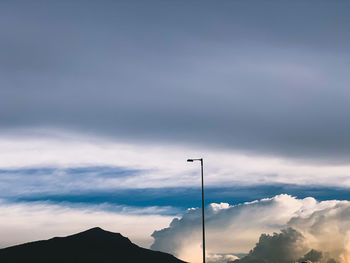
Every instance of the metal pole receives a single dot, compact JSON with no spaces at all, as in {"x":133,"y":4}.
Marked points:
{"x":203,"y":221}
{"x":203,"y":230}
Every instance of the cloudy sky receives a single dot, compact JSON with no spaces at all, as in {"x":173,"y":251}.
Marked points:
{"x":102,"y":102}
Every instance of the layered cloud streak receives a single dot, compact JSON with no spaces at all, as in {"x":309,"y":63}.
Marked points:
{"x":47,"y":157}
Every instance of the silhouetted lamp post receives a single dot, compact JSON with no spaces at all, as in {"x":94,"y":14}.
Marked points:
{"x":203,"y":227}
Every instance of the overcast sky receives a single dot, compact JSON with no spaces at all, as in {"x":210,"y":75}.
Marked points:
{"x":101,"y":103}
{"x":263,"y":76}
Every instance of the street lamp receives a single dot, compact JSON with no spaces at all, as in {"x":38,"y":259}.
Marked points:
{"x":203,"y":228}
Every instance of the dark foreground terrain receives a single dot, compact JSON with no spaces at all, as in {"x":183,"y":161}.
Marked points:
{"x":94,"y":245}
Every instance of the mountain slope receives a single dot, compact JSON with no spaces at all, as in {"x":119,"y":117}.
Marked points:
{"x":94,"y":245}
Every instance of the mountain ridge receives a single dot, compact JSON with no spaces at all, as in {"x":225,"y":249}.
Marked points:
{"x":92,"y":245}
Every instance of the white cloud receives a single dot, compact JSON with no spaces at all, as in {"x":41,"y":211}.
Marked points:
{"x":236,"y":229}
{"x":327,"y":230}
{"x":24,"y":222}
{"x":161,"y":165}
{"x":220,"y":258}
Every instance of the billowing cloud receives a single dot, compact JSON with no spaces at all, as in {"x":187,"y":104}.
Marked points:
{"x":327,"y":230}
{"x":308,"y":224}
{"x":314,"y":256}
{"x":281,"y":247}
{"x":284,"y":247}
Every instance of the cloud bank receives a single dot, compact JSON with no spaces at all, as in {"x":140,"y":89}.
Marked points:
{"x":269,"y":78}
{"x":307,"y":224}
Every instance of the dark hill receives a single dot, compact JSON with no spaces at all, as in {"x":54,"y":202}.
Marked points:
{"x":94,"y":245}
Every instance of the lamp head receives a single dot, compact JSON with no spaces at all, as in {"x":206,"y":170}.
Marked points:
{"x":189,"y":160}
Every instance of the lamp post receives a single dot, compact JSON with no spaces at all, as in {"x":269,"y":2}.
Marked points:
{"x":203,"y":227}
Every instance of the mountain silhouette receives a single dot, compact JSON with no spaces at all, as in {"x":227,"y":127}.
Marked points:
{"x":94,"y":245}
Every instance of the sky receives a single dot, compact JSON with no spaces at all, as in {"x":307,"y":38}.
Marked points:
{"x":102,"y":102}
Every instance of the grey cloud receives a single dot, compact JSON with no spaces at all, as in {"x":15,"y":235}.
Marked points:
{"x":281,"y":247}
{"x":265,"y":77}
{"x":313,"y":256}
